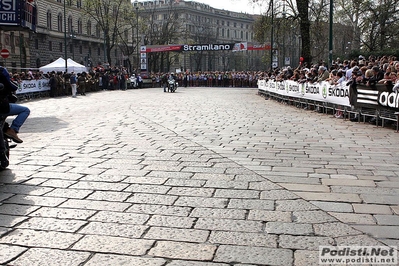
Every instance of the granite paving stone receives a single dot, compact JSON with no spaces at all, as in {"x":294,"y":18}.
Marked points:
{"x":333,"y":206}
{"x":11,"y":220}
{"x":114,"y":259}
{"x":196,"y":263}
{"x":334,"y":229}
{"x":201,"y":177}
{"x":294,"y":205}
{"x":51,"y":257}
{"x":306,"y":257}
{"x":113,"y":229}
{"x":177,"y":234}
{"x":120,"y":217}
{"x":289,"y":228}
{"x":387,"y":219}
{"x":316,"y":216}
{"x":113,"y":244}
{"x":304,"y":242}
{"x":354,"y":218}
{"x":183,"y":250}
{"x":63,"y":213}
{"x":171,"y":221}
{"x":219,"y":213}
{"x":201,"y":202}
{"x":270,"y":216}
{"x":95,"y":205}
{"x":159,"y":209}
{"x":255,"y":255}
{"x":34,"y":238}
{"x":372,"y":209}
{"x":380,"y":231}
{"x":9,"y":252}
{"x":228,"y":225}
{"x":52,"y":224}
{"x":251,"y":204}
{"x":243,"y":239}
{"x":17,"y":209}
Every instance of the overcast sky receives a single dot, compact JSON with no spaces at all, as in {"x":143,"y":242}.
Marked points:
{"x":232,"y":5}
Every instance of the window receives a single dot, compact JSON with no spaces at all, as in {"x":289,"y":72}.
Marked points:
{"x":80,"y":49}
{"x":88,"y":28}
{"x":70,"y":26}
{"x":59,"y":22}
{"x":79,"y":3}
{"x":228,"y":33}
{"x":49,"y":19}
{"x":80,"y":28}
{"x":242,"y":35}
{"x":50,"y":46}
{"x":222,"y":32}
{"x":98,"y":51}
{"x":98,"y":31}
{"x":36,"y":44}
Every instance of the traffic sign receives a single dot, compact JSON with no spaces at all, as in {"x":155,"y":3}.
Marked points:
{"x":5,"y":53}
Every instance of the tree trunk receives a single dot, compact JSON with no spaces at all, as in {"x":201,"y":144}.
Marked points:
{"x":304,"y":24}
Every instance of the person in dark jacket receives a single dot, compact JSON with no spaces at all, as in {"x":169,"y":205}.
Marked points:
{"x":9,"y":107}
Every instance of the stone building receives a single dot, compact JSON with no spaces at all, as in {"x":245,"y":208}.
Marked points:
{"x":64,"y":31}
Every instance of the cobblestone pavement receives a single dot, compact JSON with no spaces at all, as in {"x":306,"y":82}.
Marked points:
{"x":201,"y":177}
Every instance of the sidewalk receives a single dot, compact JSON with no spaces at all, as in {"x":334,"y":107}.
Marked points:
{"x":200,"y":177}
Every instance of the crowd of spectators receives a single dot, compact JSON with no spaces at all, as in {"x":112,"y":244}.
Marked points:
{"x":368,"y":71}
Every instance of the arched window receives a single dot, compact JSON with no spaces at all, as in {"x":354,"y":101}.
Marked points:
{"x":88,"y":28}
{"x":98,"y":31}
{"x":79,"y":3}
{"x":70,"y":24}
{"x":49,"y":20}
{"x":80,"y":27}
{"x":59,"y":22}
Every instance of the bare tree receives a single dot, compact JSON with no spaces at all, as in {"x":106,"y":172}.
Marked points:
{"x":111,"y":16}
{"x":156,"y":31}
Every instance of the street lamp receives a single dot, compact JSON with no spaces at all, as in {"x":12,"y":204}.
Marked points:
{"x":72,"y":36}
{"x":330,"y":43}
{"x":271,"y":37}
{"x":137,"y":37}
{"x":65,"y":38}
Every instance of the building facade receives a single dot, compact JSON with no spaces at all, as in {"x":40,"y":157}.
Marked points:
{"x":63,"y":30}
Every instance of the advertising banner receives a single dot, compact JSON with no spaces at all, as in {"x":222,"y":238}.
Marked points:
{"x":10,"y":12}
{"x":29,"y":86}
{"x":244,"y":46}
{"x":323,"y":91}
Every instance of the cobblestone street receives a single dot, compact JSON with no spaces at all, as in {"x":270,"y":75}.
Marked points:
{"x":200,"y":177}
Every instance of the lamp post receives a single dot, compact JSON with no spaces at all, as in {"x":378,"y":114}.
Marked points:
{"x":272,"y":36}
{"x":137,"y":37}
{"x":72,"y":36}
{"x":330,"y":43}
{"x":65,"y":38}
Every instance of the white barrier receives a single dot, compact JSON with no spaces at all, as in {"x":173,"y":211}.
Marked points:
{"x":29,"y":86}
{"x":322,"y":91}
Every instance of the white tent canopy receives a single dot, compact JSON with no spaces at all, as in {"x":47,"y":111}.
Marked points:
{"x":59,"y":65}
